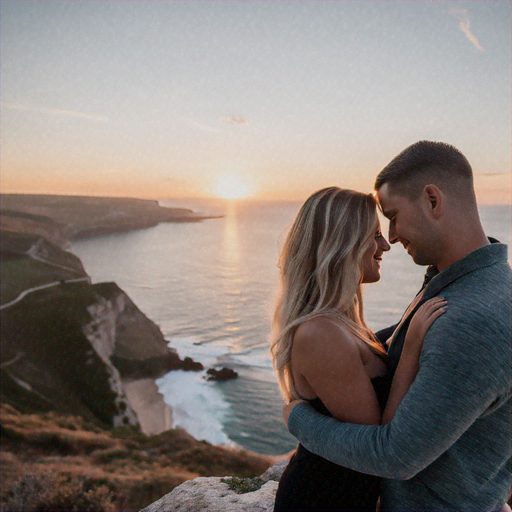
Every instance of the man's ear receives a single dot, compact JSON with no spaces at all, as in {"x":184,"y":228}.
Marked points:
{"x":434,"y":200}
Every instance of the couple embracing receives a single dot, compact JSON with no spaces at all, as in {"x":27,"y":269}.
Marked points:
{"x":417,"y":416}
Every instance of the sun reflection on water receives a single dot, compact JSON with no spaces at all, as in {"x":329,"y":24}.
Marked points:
{"x":232,"y":278}
{"x":231,"y":244}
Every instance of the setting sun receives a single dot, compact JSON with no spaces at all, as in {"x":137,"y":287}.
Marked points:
{"x":233,"y":186}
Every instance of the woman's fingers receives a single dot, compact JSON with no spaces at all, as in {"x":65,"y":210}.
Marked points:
{"x":435,"y":314}
{"x":433,"y":310}
{"x":430,"y":311}
{"x":433,"y":304}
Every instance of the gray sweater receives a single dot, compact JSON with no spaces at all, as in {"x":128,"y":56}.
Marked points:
{"x":449,"y":445}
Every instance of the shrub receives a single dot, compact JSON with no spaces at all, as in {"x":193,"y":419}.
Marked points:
{"x":42,"y":492}
{"x":243,"y":485}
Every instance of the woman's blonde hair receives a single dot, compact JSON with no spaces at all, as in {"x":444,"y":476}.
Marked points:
{"x":320,"y":272}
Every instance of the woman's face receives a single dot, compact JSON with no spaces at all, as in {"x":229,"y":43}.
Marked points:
{"x":372,"y":257}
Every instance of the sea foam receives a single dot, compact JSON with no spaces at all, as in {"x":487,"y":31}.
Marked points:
{"x":197,"y":406}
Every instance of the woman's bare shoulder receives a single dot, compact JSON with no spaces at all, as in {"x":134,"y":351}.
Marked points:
{"x":323,"y":331}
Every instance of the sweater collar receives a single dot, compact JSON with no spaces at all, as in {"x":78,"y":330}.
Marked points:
{"x":495,"y":252}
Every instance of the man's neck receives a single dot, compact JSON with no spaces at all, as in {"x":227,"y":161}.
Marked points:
{"x":463,"y":248}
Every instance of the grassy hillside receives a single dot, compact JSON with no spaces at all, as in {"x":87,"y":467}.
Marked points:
{"x":60,"y":462}
{"x":28,"y":260}
{"x":49,"y":364}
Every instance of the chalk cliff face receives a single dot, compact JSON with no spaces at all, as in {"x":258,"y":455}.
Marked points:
{"x":103,"y":334}
{"x":127,"y":341}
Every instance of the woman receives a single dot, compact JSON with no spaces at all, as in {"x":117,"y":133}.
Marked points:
{"x":322,"y":349}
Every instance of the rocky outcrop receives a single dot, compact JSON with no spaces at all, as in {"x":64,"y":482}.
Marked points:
{"x":189,"y":365}
{"x":227,"y":494}
{"x":220,"y":375}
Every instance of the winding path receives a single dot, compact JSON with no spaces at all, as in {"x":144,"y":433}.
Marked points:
{"x":24,"y":293}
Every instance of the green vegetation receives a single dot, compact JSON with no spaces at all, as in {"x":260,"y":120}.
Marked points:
{"x":58,"y":363}
{"x":19,"y":274}
{"x":243,"y":485}
{"x":20,"y":271}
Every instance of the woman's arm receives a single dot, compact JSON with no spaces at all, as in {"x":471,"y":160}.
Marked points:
{"x":409,"y":360}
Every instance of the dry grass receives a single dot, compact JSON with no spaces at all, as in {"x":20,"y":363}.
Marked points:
{"x":58,"y":462}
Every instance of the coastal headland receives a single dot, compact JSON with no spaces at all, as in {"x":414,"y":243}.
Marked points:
{"x":64,"y":218}
{"x":79,"y":363}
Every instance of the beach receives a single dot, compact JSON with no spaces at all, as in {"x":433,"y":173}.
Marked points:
{"x":155,"y":416}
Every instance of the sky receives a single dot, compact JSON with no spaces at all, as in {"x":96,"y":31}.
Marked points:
{"x":163,"y":99}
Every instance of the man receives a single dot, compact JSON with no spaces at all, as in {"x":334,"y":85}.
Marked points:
{"x":449,"y":444}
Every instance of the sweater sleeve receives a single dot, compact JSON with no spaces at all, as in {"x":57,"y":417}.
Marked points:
{"x":460,"y":376}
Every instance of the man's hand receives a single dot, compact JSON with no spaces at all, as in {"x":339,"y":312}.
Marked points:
{"x":287,"y":410}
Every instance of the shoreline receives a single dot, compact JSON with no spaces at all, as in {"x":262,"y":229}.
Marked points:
{"x":155,"y":416}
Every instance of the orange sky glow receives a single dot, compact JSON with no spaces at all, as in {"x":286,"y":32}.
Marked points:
{"x":284,"y":97}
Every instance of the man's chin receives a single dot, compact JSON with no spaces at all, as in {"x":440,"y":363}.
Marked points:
{"x":419,"y":260}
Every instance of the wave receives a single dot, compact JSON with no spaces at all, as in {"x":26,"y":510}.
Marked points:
{"x":223,"y":352}
{"x":197,"y":406}
{"x":200,"y":406}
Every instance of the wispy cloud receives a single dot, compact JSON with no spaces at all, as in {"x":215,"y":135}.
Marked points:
{"x":494,"y":173}
{"x":234,"y":120}
{"x":56,"y":112}
{"x":462,"y":16}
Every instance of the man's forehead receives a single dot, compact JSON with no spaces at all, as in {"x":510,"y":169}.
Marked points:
{"x":387,"y":200}
{"x":383,"y":195}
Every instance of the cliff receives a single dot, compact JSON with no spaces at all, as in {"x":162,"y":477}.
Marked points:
{"x":68,"y":345}
{"x":61,"y":218}
{"x":78,"y":368}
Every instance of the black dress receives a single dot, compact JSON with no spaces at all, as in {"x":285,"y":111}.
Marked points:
{"x":311,"y":482}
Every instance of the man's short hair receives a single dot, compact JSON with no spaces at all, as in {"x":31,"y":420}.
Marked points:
{"x":428,"y":162}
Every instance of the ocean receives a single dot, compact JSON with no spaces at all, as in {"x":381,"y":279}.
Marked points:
{"x":210,"y":286}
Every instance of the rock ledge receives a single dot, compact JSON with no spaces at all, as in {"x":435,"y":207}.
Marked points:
{"x":215,"y":493}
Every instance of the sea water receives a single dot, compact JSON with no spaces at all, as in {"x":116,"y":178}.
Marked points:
{"x":210,"y":286}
